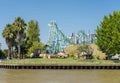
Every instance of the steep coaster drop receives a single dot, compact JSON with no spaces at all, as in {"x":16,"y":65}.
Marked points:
{"x":58,"y":41}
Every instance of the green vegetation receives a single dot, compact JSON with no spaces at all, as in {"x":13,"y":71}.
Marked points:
{"x":19,"y":26}
{"x":72,"y":49}
{"x":35,"y":46}
{"x":58,"y":61}
{"x":108,"y":34}
{"x":33,"y":40}
{"x":33,"y":31}
{"x":22,"y":38}
{"x":85,"y":48}
{"x":9,"y":35}
{"x":2,"y":55}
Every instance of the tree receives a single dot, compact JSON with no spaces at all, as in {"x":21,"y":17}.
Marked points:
{"x":2,"y":55}
{"x":86,"y":49}
{"x":33,"y":40}
{"x":19,"y":25}
{"x":33,"y":31}
{"x":108,"y":34}
{"x":8,"y":34}
{"x":36,"y":46}
{"x":23,"y":47}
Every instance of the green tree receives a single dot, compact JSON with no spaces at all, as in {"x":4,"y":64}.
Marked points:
{"x":108,"y":34}
{"x":8,"y":34}
{"x":23,"y":47}
{"x":35,"y":46}
{"x":33,"y":31}
{"x":2,"y":55}
{"x":19,"y":25}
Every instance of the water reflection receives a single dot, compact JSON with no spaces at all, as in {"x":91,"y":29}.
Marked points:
{"x":59,"y":76}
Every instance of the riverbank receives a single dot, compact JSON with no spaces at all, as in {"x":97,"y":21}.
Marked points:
{"x":60,"y":61}
{"x":69,"y":63}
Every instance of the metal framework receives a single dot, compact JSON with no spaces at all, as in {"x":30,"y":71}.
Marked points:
{"x":58,"y":41}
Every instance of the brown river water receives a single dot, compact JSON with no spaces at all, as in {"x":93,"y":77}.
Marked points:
{"x":59,"y":76}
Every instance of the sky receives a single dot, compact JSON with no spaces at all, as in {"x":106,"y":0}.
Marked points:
{"x":70,"y":15}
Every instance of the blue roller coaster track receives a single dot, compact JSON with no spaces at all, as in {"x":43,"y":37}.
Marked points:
{"x":58,"y":41}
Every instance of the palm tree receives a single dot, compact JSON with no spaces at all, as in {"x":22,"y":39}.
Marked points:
{"x":19,"y":29}
{"x":8,"y":34}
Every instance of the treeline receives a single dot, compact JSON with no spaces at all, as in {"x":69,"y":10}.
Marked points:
{"x":22,"y":38}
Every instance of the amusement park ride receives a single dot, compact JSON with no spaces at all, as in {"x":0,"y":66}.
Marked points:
{"x":58,"y":41}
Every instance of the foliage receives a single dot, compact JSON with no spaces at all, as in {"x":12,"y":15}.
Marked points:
{"x":71,"y":50}
{"x":19,"y":40}
{"x":85,"y":48}
{"x":5,"y":51}
{"x":36,"y":45}
{"x":108,"y":34}
{"x":2,"y":55}
{"x":32,"y":37}
{"x":67,"y":61}
{"x":33,"y":31}
{"x":9,"y":35}
{"x":24,"y":49}
{"x":72,"y":54}
{"x":19,"y":25}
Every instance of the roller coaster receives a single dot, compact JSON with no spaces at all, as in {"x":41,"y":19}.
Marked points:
{"x":58,"y":41}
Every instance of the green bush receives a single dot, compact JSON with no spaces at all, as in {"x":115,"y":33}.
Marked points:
{"x":2,"y":55}
{"x":72,"y":54}
{"x":98,"y":57}
{"x":85,"y":48}
{"x":36,"y":45}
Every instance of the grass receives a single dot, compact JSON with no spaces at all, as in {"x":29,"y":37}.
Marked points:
{"x":68,"y":61}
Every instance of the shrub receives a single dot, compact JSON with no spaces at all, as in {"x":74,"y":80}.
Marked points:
{"x":36,"y":48}
{"x":2,"y":55}
{"x":72,"y":54}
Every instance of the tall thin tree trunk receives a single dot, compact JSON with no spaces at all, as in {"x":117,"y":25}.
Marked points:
{"x":19,"y":50}
{"x":9,"y":53}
